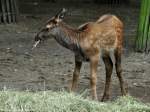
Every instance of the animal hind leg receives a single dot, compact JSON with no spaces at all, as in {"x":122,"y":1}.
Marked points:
{"x":117,"y":54}
{"x":109,"y":68}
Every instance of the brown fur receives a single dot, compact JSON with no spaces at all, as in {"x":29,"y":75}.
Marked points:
{"x":88,"y":42}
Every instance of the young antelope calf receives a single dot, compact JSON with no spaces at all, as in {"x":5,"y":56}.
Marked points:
{"x":87,"y":42}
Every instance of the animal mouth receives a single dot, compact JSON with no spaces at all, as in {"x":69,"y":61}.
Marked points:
{"x":35,"y":44}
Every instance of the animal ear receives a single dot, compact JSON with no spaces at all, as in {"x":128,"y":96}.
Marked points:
{"x":60,"y":15}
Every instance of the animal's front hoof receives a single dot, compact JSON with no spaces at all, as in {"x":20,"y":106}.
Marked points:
{"x":125,"y":90}
{"x":105,"y":98}
{"x":94,"y":98}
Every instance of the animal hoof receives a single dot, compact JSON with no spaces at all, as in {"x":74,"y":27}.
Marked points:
{"x":105,"y":98}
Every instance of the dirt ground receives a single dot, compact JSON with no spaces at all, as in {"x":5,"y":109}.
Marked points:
{"x":50,"y":66}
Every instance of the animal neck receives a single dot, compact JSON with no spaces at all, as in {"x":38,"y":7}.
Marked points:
{"x":67,"y":36}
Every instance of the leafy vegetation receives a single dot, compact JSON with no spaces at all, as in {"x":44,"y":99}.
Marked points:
{"x":49,"y":101}
{"x":143,"y":35}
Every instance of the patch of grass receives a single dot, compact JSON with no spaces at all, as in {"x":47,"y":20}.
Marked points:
{"x":49,"y":101}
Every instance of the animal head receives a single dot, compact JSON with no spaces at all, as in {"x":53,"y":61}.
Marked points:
{"x":50,"y":26}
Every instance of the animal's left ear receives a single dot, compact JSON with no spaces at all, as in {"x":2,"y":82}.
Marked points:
{"x":60,"y":15}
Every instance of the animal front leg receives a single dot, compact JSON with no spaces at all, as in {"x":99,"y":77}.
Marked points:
{"x":76,"y":74}
{"x":93,"y":80}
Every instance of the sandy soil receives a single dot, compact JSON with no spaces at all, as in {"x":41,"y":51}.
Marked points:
{"x":50,"y":66}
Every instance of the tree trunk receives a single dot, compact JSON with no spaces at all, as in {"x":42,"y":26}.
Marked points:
{"x":143,"y":33}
